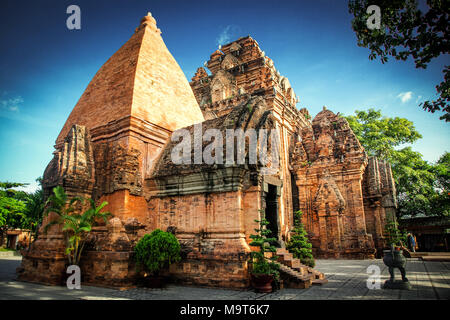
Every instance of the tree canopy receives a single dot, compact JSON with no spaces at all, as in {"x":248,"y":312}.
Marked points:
{"x":405,"y":31}
{"x":422,"y":187}
{"x":12,"y":207}
{"x":19,"y":209}
{"x":380,"y":135}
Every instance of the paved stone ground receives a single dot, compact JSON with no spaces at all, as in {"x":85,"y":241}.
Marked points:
{"x":347,"y":280}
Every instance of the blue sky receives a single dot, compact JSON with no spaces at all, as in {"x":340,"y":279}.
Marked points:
{"x":44,"y":67}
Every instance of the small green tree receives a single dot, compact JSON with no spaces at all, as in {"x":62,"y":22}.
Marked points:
{"x":394,"y":235}
{"x":156,"y":251}
{"x":76,"y":227}
{"x":299,"y":244}
{"x":261,"y":265}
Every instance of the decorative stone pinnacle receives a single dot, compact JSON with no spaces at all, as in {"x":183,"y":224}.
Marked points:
{"x":149,"y":21}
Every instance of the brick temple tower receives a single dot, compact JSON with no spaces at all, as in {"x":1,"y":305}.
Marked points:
{"x":323,"y":165}
{"x":109,"y":143}
{"x":240,"y":70}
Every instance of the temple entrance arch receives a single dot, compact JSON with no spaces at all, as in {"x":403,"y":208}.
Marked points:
{"x":271,"y":206}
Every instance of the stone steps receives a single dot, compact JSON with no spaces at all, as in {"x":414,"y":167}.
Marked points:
{"x":286,"y":258}
{"x":294,"y":279}
{"x":443,"y":258}
{"x":431,"y":256}
{"x":421,"y":254}
{"x":319,"y":282}
{"x":10,"y":254}
{"x":295,"y":274}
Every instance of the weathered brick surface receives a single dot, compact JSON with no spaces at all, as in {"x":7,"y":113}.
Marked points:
{"x":379,"y":200}
{"x":109,"y":144}
{"x":342,"y":220}
{"x":141,"y":79}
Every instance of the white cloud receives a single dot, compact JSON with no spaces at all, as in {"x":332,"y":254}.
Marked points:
{"x":29,"y":188}
{"x":10,"y":109}
{"x":405,"y":96}
{"x":11,"y":104}
{"x":418,"y":99}
{"x":228,"y":34}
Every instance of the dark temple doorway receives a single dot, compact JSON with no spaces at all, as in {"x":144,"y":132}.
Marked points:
{"x":272,"y":212}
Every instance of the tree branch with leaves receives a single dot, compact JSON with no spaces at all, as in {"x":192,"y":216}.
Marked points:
{"x":422,"y":187}
{"x":405,"y":31}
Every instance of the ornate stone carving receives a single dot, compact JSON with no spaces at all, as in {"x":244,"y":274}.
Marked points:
{"x":117,"y":168}
{"x":328,"y":200}
{"x":72,"y":165}
{"x":380,"y":200}
{"x":229,"y":62}
{"x":200,"y":74}
{"x":223,"y":86}
{"x":235,"y":47}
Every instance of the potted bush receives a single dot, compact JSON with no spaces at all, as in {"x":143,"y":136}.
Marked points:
{"x":394,"y":236}
{"x":264,"y":269}
{"x":299,"y":244}
{"x":155,"y":252}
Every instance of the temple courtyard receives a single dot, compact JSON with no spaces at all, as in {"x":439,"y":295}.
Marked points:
{"x":347,"y":279}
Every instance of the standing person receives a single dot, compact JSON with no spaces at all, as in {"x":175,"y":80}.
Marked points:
{"x":408,"y":241}
{"x":412,"y":242}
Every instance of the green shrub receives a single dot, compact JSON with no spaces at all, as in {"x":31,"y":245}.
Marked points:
{"x":260,"y":264}
{"x":393,"y":235}
{"x":299,"y":244}
{"x":156,"y":251}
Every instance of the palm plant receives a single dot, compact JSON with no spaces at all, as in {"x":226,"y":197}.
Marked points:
{"x":76,"y":227}
{"x":60,"y":204}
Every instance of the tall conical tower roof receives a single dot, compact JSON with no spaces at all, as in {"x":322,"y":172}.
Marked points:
{"x":142,"y":80}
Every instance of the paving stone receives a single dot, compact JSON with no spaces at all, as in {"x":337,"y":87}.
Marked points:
{"x":347,"y":281}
